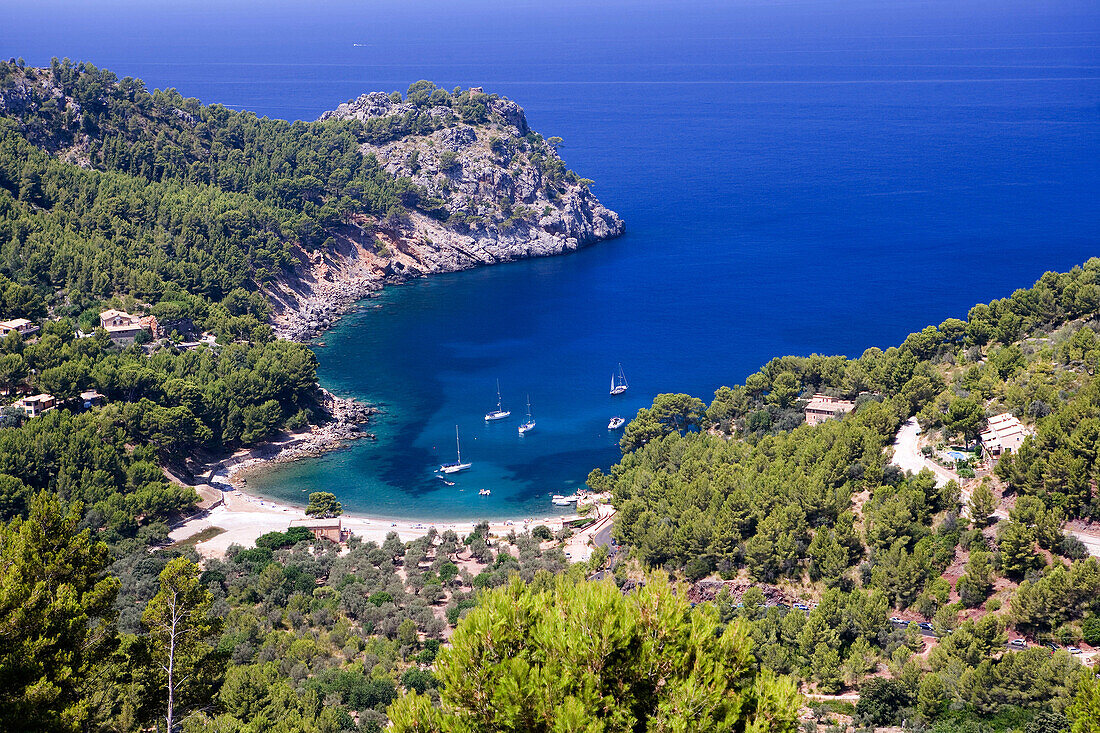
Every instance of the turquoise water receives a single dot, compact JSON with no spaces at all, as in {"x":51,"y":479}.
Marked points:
{"x":820,"y":176}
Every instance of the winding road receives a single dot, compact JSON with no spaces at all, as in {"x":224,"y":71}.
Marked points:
{"x":907,"y":456}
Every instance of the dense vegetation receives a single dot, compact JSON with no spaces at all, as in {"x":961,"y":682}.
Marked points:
{"x":821,"y":511}
{"x":567,"y":655}
{"x":289,"y":635}
{"x":167,"y":404}
{"x":192,"y":248}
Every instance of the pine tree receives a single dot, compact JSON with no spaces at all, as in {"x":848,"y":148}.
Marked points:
{"x":179,"y":623}
{"x":982,"y":503}
{"x":56,"y":622}
{"x":1016,"y":543}
{"x":584,"y":656}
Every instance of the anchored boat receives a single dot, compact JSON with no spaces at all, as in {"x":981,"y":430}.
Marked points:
{"x":530,"y":424}
{"x":499,"y":413}
{"x":618,"y":382}
{"x":458,"y":465}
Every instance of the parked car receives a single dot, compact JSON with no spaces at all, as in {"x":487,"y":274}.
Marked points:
{"x":1073,"y":650}
{"x":898,"y":620}
{"x":925,"y":625}
{"x":1019,"y":643}
{"x":802,"y":607}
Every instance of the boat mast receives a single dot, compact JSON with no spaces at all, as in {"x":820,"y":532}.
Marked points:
{"x":498,"y":395}
{"x":458,"y":446}
{"x":528,"y":406}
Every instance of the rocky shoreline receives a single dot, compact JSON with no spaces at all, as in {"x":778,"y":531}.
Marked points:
{"x":347,"y":416}
{"x":496,"y":192}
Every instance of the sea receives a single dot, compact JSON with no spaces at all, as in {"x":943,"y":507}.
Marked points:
{"x":796,"y":177}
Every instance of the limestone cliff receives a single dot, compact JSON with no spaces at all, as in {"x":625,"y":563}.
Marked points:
{"x":492,"y":191}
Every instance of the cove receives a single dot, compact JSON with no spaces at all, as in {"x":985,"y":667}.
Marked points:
{"x":794,"y":178}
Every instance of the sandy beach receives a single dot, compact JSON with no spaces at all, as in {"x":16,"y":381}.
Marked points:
{"x":243,"y":517}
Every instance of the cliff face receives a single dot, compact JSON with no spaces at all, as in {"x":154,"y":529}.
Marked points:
{"x":495,"y":192}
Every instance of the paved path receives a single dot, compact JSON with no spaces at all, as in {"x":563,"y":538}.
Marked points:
{"x":577,"y":547}
{"x":907,"y":455}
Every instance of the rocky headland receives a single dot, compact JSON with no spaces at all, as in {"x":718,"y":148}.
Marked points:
{"x":461,"y":179}
{"x":490,"y":190}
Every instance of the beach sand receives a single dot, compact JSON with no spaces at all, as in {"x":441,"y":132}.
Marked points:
{"x":245,"y":517}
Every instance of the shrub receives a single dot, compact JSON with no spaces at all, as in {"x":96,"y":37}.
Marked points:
{"x":1090,"y":630}
{"x":420,"y":680}
{"x":298,"y":421}
{"x":699,"y":568}
{"x":881,"y":701}
{"x":447,"y":572}
{"x":279,"y":540}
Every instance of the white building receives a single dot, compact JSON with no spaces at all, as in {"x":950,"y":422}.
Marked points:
{"x":1005,"y":434}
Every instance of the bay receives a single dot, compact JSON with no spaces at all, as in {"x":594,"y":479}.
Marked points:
{"x":795,"y":178}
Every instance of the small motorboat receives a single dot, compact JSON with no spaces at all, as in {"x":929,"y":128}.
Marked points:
{"x":615,"y":423}
{"x":484,"y":492}
{"x":499,"y":413}
{"x":560,"y":500}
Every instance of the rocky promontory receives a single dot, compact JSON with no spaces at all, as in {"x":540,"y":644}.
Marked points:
{"x":488,"y":189}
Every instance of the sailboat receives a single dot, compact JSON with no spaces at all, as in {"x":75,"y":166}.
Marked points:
{"x":497,"y":414}
{"x":618,"y":382}
{"x":458,"y":465}
{"x":530,"y":424}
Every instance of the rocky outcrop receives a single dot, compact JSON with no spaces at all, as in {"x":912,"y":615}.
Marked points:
{"x":490,"y":190}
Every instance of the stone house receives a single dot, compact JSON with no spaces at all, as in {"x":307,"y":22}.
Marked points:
{"x":22,"y":325}
{"x":326,"y":529}
{"x":822,"y":407}
{"x":123,"y":327}
{"x":35,"y":405}
{"x":90,"y":398}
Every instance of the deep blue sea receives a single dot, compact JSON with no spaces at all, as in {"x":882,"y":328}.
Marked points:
{"x":796,"y":177}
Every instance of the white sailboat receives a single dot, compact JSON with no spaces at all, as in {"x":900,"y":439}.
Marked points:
{"x":530,"y":424}
{"x":618,"y":382}
{"x":458,"y":465}
{"x":615,"y":423}
{"x":497,"y":414}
